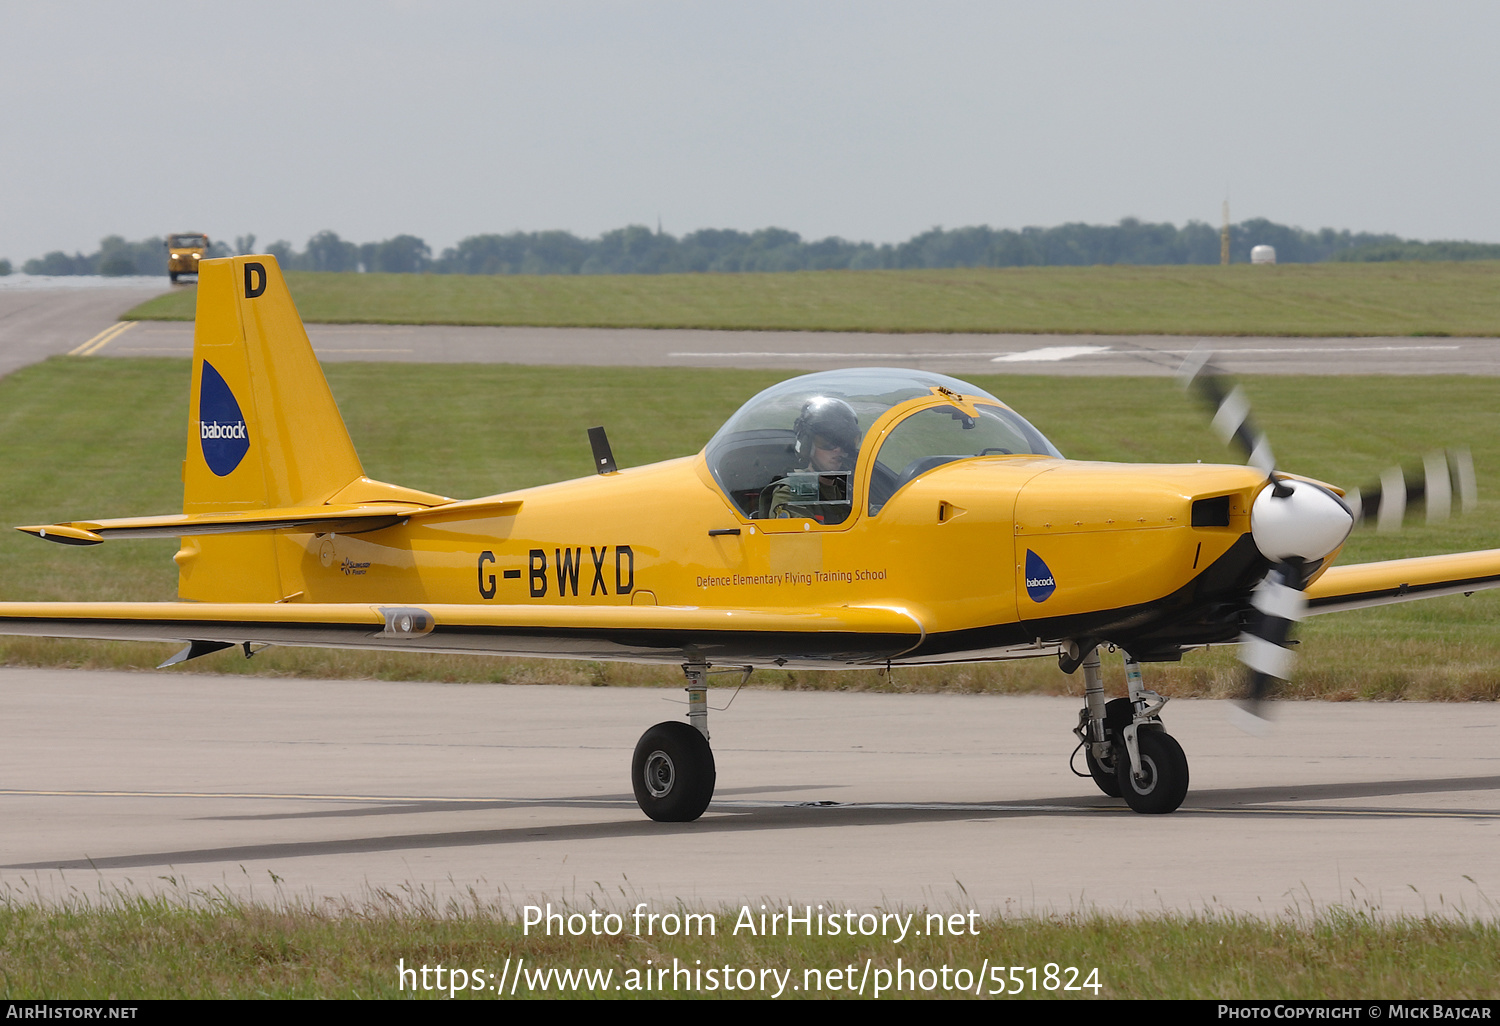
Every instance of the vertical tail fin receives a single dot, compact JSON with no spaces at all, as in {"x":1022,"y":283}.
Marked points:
{"x":263,"y":429}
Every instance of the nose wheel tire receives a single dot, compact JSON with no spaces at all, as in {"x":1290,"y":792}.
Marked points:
{"x":1164,"y":773}
{"x":673,"y":772}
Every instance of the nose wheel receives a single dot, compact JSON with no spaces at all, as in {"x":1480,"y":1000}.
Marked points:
{"x":1163,"y":780}
{"x":1129,"y":754}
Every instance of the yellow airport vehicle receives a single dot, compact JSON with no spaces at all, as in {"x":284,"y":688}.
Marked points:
{"x":856,"y":518}
{"x":184,"y":251}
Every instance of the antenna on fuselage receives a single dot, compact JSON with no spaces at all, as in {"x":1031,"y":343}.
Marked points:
{"x":604,"y":457}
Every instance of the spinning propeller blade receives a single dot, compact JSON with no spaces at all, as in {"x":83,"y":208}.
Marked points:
{"x":1431,"y":489}
{"x":1277,"y":605}
{"x":1297,"y":524}
{"x":1231,"y":409}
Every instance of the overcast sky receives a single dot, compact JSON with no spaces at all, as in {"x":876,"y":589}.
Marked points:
{"x":867,"y":120}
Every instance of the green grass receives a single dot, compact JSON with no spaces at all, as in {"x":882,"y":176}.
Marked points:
{"x":97,"y":438}
{"x":1292,"y":299}
{"x":141,"y":948}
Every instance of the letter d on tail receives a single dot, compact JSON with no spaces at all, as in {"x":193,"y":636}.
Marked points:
{"x":255,"y":280}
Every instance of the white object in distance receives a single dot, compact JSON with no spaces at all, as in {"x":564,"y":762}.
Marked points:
{"x":1263,"y":255}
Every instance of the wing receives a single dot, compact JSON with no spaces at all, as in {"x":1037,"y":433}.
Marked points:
{"x":1403,"y":580}
{"x":830,"y":638}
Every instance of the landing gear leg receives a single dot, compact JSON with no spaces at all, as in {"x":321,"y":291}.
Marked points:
{"x":1098,"y":752}
{"x":1150,"y":767}
{"x":672,"y":771}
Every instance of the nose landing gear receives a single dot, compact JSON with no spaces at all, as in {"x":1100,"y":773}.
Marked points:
{"x":1128,"y":752}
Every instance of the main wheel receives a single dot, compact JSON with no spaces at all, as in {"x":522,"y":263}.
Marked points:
{"x":173,"y":276}
{"x":1164,"y":781}
{"x":673,"y":772}
{"x":1104,"y":775}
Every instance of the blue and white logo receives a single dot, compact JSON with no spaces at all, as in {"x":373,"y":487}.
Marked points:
{"x":1039,"y":582}
{"x":221,"y":425}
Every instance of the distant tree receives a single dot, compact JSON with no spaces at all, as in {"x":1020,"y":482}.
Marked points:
{"x":115,"y":258}
{"x":483,"y":254}
{"x":553,"y":253}
{"x":5,"y":267}
{"x":634,"y":249}
{"x":405,"y":254}
{"x":327,"y":252}
{"x":285,"y":256}
{"x":116,"y":265}
{"x":712,"y":249}
{"x":58,"y":262}
{"x":1382,"y":251}
{"x":245,"y":244}
{"x":773,"y":249}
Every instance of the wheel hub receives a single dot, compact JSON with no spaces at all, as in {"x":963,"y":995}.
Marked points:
{"x":1146,"y":782}
{"x":660,"y":774}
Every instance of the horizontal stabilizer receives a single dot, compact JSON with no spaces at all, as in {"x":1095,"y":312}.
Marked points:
{"x":341,"y":519}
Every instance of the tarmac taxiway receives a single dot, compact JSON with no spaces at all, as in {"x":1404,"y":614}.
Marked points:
{"x":179,"y":783}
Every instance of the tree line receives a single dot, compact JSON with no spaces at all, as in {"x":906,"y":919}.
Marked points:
{"x":639,"y":250}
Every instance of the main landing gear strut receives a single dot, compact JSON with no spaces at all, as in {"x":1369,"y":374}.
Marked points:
{"x":673,"y":767}
{"x":1129,"y":754}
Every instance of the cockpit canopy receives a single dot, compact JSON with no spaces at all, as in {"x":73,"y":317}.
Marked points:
{"x":765,"y":460}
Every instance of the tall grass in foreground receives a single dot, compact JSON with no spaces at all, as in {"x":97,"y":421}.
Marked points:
{"x":127,"y":947}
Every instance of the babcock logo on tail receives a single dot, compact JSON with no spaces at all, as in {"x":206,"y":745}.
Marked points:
{"x":1039,"y":582}
{"x":221,"y":425}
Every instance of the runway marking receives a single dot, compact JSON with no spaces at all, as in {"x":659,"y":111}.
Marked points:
{"x":102,"y":339}
{"x":320,"y":351}
{"x":750,"y":804}
{"x":1287,"y":810}
{"x":376,"y":798}
{"x":1265,"y":810}
{"x":830,"y":355}
{"x":1049,"y":354}
{"x":1305,"y":351}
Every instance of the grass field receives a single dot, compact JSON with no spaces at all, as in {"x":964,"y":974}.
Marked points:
{"x":1289,"y":299}
{"x":96,"y":438}
{"x":130,"y":948}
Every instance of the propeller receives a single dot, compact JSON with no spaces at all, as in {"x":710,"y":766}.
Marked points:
{"x":1430,"y":489}
{"x":1297,"y":524}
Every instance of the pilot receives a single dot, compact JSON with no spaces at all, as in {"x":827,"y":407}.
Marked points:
{"x":827,"y":433}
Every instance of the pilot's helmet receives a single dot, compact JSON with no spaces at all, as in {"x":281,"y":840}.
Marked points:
{"x":831,"y":423}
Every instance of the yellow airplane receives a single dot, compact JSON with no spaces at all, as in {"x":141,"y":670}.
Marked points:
{"x":854,"y":518}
